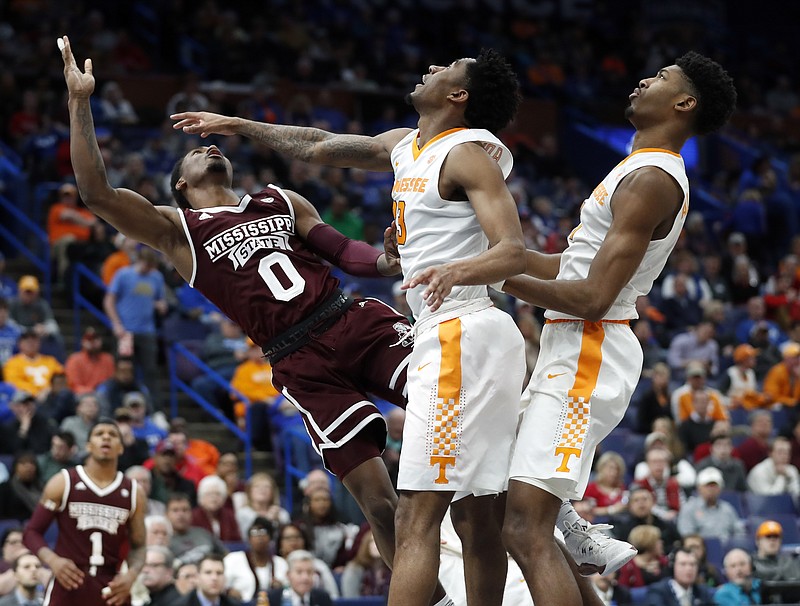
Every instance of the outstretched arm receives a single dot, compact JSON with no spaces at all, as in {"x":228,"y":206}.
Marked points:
{"x":127,"y":211}
{"x":645,"y":200}
{"x":355,"y":257}
{"x":303,"y":143}
{"x":469,"y":168}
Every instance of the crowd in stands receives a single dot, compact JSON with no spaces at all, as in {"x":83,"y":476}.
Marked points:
{"x":702,"y":476}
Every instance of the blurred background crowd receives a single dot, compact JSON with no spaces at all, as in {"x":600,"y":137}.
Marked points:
{"x":708,"y":454}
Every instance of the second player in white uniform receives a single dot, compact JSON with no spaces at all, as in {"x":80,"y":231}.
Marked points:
{"x":467,"y":368}
{"x":587,"y":371}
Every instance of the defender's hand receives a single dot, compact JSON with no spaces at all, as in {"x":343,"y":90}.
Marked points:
{"x":79,"y":84}
{"x":203,"y":123}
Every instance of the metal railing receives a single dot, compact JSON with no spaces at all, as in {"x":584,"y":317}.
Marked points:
{"x":40,"y":260}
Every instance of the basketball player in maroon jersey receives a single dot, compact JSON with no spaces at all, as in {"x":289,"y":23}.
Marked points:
{"x":259,"y":259}
{"x":100,"y":516}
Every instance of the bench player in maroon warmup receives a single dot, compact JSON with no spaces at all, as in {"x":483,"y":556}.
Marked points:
{"x":100,"y":516}
{"x":259,"y":259}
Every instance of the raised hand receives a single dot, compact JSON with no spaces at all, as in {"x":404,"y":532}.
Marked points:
{"x":390,"y":250}
{"x":79,"y":84}
{"x":203,"y":123}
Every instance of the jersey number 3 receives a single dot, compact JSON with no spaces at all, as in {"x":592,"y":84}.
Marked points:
{"x":292,"y":284}
{"x":399,"y":212}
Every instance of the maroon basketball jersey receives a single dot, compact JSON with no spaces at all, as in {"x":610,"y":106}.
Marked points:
{"x":93,"y":521}
{"x":249,"y":262}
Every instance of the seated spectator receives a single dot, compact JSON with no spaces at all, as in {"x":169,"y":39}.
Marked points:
{"x":695,"y":345}
{"x":27,"y":573}
{"x":680,"y":310}
{"x":184,"y":463}
{"x":88,"y":368}
{"x":33,"y":313}
{"x":201,"y":452}
{"x":144,"y":478}
{"x":186,"y":577}
{"x":142,"y":425}
{"x":256,"y":569}
{"x":696,"y":428}
{"x":30,"y":370}
{"x":329,"y":535}
{"x":707,"y":574}
{"x":262,"y":499}
{"x":28,"y":430}
{"x":682,"y":586}
{"x":607,"y":491}
{"x":166,"y":477}
{"x":647,"y":566}
{"x":706,"y":514}
{"x":228,"y":470}
{"x":10,"y":332}
{"x":678,"y":468}
{"x":682,"y":406}
{"x":61,"y":455}
{"x":253,"y":379}
{"x":210,"y":584}
{"x":794,"y":439}
{"x":157,"y":576}
{"x":158,"y":530}
{"x":781,"y":383}
{"x":769,"y":564}
{"x":640,"y":512}
{"x":756,"y":448}
{"x":609,"y":591}
{"x":86,"y":415}
{"x":113,"y":390}
{"x":776,"y":474}
{"x":136,"y":450}
{"x":188,"y":543}
{"x":301,"y":588}
{"x":656,"y":401}
{"x":756,"y":318}
{"x":223,"y":350}
{"x":721,"y":457}
{"x":115,"y":108}
{"x":67,"y":222}
{"x":210,"y":513}
{"x":124,"y":256}
{"x":291,"y":538}
{"x":667,"y":491}
{"x":20,"y":494}
{"x":742,"y":588}
{"x":366,"y":574}
{"x":12,"y":548}
{"x":739,"y":381}
{"x":60,"y":402}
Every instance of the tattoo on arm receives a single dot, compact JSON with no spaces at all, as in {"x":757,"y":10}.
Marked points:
{"x":311,"y":144}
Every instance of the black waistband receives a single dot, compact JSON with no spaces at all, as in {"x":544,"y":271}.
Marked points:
{"x":320,"y":320}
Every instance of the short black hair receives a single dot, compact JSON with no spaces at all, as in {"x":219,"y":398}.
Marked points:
{"x":180,"y":198}
{"x":493,"y":92}
{"x":104,"y":421}
{"x":714,"y":89}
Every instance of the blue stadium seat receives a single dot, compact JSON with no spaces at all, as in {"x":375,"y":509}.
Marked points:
{"x":615,"y":441}
{"x":780,"y":419}
{"x":766,"y":505}
{"x":735,"y":499}
{"x":738,"y":416}
{"x":714,"y":551}
{"x":7,"y":523}
{"x":747,"y":543}
{"x":638,"y":595}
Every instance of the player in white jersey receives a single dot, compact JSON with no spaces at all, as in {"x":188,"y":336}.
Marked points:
{"x":590,"y":361}
{"x":457,"y":231}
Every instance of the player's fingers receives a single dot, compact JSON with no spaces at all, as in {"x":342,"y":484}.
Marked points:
{"x":87,"y":66}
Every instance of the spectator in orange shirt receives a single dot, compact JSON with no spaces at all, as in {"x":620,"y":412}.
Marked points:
{"x":122,"y":257}
{"x":29,"y":370}
{"x":185,"y":465}
{"x":202,"y":452}
{"x":87,"y":368}
{"x":67,"y":223}
{"x":253,"y":379}
{"x":682,"y":398}
{"x":782,"y":382}
{"x":739,"y":381}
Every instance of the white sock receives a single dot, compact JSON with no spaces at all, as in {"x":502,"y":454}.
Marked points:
{"x":445,"y":601}
{"x":567,"y":514}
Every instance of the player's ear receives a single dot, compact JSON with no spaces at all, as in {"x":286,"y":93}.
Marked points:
{"x":686,"y":104}
{"x":459,"y":96}
{"x":180,"y":184}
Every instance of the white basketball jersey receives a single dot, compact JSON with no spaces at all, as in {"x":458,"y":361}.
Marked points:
{"x":430,"y":230}
{"x":586,"y":238}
